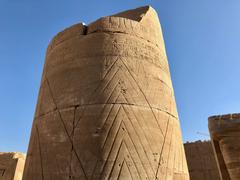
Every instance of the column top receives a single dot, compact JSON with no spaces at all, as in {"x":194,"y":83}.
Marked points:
{"x":227,"y":125}
{"x":141,"y":22}
{"x":231,"y":116}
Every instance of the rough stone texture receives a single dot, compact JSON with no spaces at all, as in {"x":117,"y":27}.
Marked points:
{"x":11,"y":166}
{"x":225,"y":135}
{"x":106,"y":107}
{"x":201,"y":161}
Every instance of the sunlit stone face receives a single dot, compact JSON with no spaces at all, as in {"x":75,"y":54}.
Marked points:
{"x":225,"y":135}
{"x":106,"y":107}
{"x":11,"y":166}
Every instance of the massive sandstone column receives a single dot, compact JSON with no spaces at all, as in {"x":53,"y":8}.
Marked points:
{"x":225,"y":135}
{"x":106,"y":107}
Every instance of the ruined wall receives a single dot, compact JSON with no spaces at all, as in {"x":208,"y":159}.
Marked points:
{"x":11,"y":166}
{"x":225,"y":135}
{"x":106,"y":107}
{"x":201,"y":161}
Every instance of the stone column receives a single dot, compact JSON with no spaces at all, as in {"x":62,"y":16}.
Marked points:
{"x":11,"y":166}
{"x":106,"y":107}
{"x":225,"y":135}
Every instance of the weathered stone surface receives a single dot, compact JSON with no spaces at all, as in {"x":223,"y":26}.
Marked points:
{"x":106,"y":107}
{"x":11,"y":166}
{"x":201,"y":161}
{"x":225,"y":135}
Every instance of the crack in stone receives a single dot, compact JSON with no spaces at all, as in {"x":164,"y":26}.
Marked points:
{"x":40,"y":151}
{"x":127,"y":104}
{"x":64,"y":126}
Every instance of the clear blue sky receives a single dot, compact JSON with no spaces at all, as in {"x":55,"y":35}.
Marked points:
{"x":202,"y":41}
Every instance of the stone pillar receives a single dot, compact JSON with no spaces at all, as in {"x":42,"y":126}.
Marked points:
{"x":225,"y":135}
{"x":11,"y":166}
{"x":106,"y":107}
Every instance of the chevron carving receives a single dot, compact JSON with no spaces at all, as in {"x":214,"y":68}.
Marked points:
{"x":106,"y":115}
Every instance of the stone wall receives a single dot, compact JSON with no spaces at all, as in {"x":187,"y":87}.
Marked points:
{"x":201,"y":161}
{"x":11,"y":166}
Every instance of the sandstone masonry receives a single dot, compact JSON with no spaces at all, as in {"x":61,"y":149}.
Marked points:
{"x":225,"y":135}
{"x":106,"y":106}
{"x":11,"y":166}
{"x":201,"y":161}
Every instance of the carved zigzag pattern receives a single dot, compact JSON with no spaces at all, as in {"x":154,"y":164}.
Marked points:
{"x":137,"y":141}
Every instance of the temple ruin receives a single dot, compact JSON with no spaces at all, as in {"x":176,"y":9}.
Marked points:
{"x":106,"y":106}
{"x":201,"y":161}
{"x":225,"y":135}
{"x":11,"y":166}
